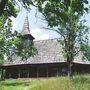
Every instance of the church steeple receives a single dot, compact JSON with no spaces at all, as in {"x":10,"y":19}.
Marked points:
{"x":26,"y":31}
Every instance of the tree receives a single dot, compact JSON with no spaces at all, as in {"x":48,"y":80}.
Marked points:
{"x":64,"y":17}
{"x":18,"y":48}
{"x":8,"y":8}
{"x":10,"y":43}
{"x":5,"y":35}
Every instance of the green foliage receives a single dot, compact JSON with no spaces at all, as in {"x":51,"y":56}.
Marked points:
{"x":20,"y":50}
{"x":4,"y":37}
{"x":86,"y":51}
{"x":2,"y":21}
{"x":11,"y":43}
{"x":8,"y":8}
{"x":64,"y":17}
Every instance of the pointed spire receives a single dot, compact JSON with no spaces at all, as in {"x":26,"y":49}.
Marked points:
{"x":26,"y":29}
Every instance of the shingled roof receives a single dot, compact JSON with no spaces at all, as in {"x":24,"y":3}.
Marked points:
{"x":49,"y":51}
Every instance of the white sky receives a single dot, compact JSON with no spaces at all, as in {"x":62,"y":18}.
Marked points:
{"x":36,"y":24}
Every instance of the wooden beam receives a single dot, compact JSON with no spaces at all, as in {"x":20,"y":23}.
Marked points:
{"x":19,"y":74}
{"x":28,"y":74}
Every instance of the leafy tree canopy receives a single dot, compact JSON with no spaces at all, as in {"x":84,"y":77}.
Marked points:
{"x":65,"y":17}
{"x":10,"y":43}
{"x":86,"y":51}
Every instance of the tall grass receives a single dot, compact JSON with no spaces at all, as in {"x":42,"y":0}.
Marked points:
{"x":82,"y":79}
{"x":79,"y":82}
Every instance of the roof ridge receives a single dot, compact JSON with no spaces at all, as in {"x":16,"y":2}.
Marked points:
{"x":46,"y":39}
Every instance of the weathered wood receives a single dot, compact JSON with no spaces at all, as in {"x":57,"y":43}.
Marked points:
{"x":44,"y":70}
{"x":9,"y":75}
{"x":47,"y":72}
{"x":19,"y":74}
{"x":28,"y":74}
{"x":37,"y":73}
{"x":57,"y":72}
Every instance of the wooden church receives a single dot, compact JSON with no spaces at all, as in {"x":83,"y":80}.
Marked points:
{"x":47,"y":63}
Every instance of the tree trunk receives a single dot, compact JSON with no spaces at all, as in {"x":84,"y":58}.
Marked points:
{"x":2,"y":74}
{"x":70,"y":75}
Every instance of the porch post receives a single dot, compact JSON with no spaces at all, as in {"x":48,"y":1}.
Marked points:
{"x":9,"y":75}
{"x":19,"y":74}
{"x":57,"y":72}
{"x":28,"y":73}
{"x":37,"y":73}
{"x":47,"y":72}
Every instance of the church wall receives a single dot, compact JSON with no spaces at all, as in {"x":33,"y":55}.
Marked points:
{"x":43,"y":70}
{"x":33,"y":71}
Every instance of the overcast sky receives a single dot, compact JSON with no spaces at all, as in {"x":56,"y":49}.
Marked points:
{"x":36,"y":24}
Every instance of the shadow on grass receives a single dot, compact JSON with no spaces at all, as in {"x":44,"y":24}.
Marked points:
{"x":16,"y":83}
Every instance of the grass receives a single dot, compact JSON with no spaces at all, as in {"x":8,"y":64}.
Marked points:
{"x":80,"y":82}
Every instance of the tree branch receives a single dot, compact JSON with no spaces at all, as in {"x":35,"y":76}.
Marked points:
{"x":2,"y":5}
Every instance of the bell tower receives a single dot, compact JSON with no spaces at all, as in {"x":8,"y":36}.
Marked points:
{"x":26,"y":31}
{"x":27,"y":37}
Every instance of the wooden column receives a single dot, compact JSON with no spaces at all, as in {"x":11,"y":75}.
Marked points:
{"x":19,"y":74}
{"x":37,"y":73}
{"x":9,"y":75}
{"x":47,"y":72}
{"x":57,"y":72}
{"x":28,"y":74}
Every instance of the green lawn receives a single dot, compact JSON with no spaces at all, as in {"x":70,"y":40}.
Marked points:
{"x":54,"y":83}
